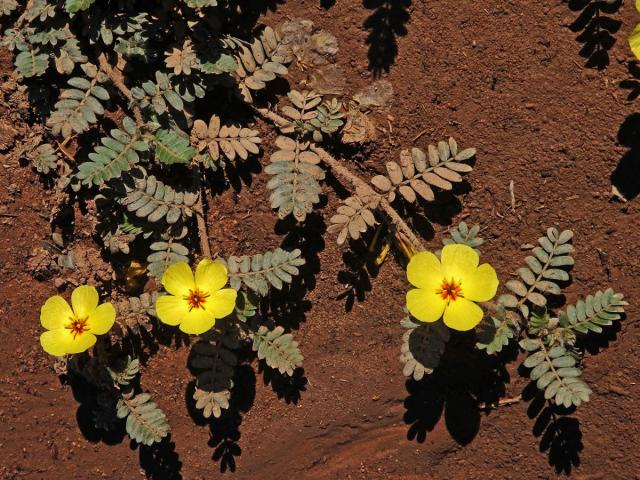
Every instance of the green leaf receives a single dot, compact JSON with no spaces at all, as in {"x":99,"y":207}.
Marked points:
{"x":262,"y":271}
{"x":73,"y":6}
{"x":146,"y":423}
{"x":172,"y":148}
{"x":278,"y":349}
{"x":422,"y":346}
{"x":295,"y":178}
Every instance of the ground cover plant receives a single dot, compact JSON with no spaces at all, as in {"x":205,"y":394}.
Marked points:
{"x":143,"y":114}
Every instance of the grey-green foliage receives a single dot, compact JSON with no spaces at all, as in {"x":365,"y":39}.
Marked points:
{"x":463,"y":235}
{"x":134,"y":312}
{"x":277,"y":348}
{"x":171,"y":147}
{"x":211,"y":403}
{"x":30,"y":62}
{"x":497,"y":331}
{"x":74,"y":6}
{"x":594,"y":312}
{"x":116,"y":154}
{"x":418,"y":173}
{"x":80,"y":104}
{"x":422,"y":346}
{"x":246,"y":306}
{"x":296,"y":175}
{"x":201,"y":3}
{"x":542,"y":273}
{"x":125,"y":375}
{"x":146,"y":423}
{"x":261,"y":271}
{"x":311,"y":114}
{"x":7,"y":6}
{"x":544,"y":269}
{"x":44,"y":158}
{"x":213,"y":359}
{"x":355,"y":216}
{"x":164,"y":253}
{"x":415,"y":176}
{"x":150,"y":199}
{"x":555,"y":372}
{"x":159,"y":95}
{"x":214,"y":141}
{"x":260,"y":62}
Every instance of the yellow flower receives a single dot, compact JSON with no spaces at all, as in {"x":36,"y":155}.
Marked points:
{"x":74,"y":330}
{"x":450,"y":286}
{"x":634,"y":38}
{"x":195,"y":303}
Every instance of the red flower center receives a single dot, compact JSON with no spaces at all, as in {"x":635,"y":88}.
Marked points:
{"x":78,"y":326}
{"x":450,"y":290}
{"x":196,"y":299}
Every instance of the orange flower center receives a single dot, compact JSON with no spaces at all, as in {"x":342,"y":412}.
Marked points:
{"x":196,"y":299}
{"x":77,"y":326}
{"x":450,"y":290}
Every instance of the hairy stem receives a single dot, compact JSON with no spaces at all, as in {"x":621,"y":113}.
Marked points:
{"x":203,"y":235}
{"x":359,"y":184}
{"x":116,"y":77}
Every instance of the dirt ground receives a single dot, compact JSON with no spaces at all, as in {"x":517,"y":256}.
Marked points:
{"x":521,"y":82}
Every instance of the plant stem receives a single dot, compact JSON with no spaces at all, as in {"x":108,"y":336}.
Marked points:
{"x":205,"y":248}
{"x":359,"y":184}
{"x":116,"y":77}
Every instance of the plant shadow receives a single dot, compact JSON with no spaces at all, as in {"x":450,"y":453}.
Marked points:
{"x":626,"y":176}
{"x":465,"y":380}
{"x":596,"y":29}
{"x":225,"y":430}
{"x":559,"y":434}
{"x":160,"y":461}
{"x":385,"y":24}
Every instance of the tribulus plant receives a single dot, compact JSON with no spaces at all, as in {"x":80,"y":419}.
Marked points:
{"x":145,"y":104}
{"x":132,"y":134}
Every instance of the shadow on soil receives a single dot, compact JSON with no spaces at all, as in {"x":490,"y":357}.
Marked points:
{"x":465,"y":380}
{"x":98,"y":423}
{"x":596,"y":29}
{"x":626,"y":176}
{"x":559,"y":434}
{"x":385,"y":24}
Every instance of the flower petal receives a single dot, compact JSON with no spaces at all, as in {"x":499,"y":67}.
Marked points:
{"x":458,"y":261}
{"x":178,"y":279}
{"x":210,"y":276}
{"x":425,"y":305}
{"x":462,"y":314}
{"x":425,"y":271}
{"x":221,"y":303}
{"x":197,"y":321}
{"x":62,"y":342}
{"x":481,"y":285}
{"x":55,"y":313}
{"x":84,"y":300}
{"x":102,"y":318}
{"x":634,"y":39}
{"x":171,"y":310}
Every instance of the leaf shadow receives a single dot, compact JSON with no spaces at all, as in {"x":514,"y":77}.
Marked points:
{"x":225,"y":430}
{"x":596,"y":29}
{"x":559,"y":434}
{"x":633,"y":83}
{"x":287,"y":388}
{"x":385,"y":24}
{"x":626,"y":176}
{"x":465,"y":379}
{"x":160,"y":461}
